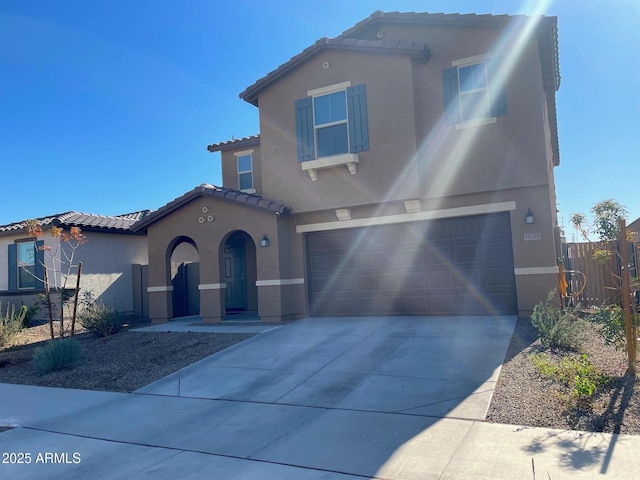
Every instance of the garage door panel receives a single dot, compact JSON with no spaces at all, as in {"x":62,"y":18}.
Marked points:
{"x":441,"y":267}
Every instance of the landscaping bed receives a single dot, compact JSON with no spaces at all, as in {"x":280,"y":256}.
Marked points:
{"x":123,"y":362}
{"x":524,"y":397}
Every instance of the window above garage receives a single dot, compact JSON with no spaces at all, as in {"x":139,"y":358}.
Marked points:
{"x":332,"y":127}
{"x":473,"y":93}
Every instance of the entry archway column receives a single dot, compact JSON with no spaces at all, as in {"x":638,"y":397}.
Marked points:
{"x":212,"y":301}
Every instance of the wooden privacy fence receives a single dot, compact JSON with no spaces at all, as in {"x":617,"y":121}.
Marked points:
{"x":602,"y":278}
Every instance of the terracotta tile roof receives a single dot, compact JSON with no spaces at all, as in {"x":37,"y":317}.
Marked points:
{"x":207,"y":190}
{"x":82,"y":220}
{"x":548,"y":28}
{"x":380,"y":46}
{"x":235,"y":144}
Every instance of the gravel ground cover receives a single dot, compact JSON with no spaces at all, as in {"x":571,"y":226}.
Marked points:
{"x":524,"y":397}
{"x":122,"y":362}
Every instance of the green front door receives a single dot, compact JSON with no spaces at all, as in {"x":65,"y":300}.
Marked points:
{"x":235,"y":275}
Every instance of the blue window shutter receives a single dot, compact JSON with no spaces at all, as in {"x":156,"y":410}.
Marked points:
{"x":304,"y":129}
{"x":13,"y":266}
{"x":358,"y":121}
{"x":451,"y":98}
{"x":497,"y":94}
{"x":39,"y":266}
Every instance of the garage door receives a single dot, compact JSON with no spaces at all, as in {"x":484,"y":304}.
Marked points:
{"x":457,"y":266}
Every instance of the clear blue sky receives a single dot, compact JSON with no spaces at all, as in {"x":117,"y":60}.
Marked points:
{"x":107,"y":106}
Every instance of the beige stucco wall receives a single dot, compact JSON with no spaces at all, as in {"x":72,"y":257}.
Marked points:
{"x":209,"y":237}
{"x":230,"y":168}
{"x":391,"y":136}
{"x":414,"y":155}
{"x":106,"y":266}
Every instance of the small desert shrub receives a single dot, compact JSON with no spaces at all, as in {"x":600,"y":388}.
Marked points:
{"x":580,"y":375}
{"x":30,"y":314}
{"x":611,"y":324}
{"x":57,"y":355}
{"x":556,"y":328}
{"x":10,"y":323}
{"x":101,"y":320}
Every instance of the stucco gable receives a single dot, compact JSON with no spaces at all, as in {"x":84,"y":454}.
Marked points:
{"x":413,"y":49}
{"x":215,"y":192}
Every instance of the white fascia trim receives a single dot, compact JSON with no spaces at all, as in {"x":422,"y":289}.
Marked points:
{"x":164,"y":288}
{"x":535,"y":270}
{"x":471,"y":60}
{"x":212,"y":286}
{"x":279,"y":282}
{"x":328,"y":89}
{"x":243,"y":152}
{"x":409,"y":217}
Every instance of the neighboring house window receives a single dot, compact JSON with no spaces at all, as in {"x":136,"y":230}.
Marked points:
{"x":245,"y":172}
{"x":332,"y":121}
{"x":472,"y":92}
{"x":26,"y":265}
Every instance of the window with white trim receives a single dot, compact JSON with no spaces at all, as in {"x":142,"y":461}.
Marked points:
{"x":332,"y":121}
{"x":473,"y":93}
{"x":330,"y":124}
{"x":245,"y":172}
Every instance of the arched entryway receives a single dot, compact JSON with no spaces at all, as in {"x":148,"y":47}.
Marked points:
{"x":239,"y":272}
{"x":185,"y":277}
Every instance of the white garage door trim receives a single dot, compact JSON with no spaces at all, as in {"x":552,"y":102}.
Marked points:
{"x":409,"y":217}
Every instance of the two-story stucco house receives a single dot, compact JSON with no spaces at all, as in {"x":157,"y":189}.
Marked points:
{"x":107,"y":256}
{"x":404,"y":167}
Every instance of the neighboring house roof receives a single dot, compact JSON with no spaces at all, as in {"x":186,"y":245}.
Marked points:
{"x":634,"y":226}
{"x":90,"y":221}
{"x":235,"y":144}
{"x":379,"y":46}
{"x":206,"y":190}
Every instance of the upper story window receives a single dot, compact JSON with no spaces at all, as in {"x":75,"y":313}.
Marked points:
{"x":25,"y":266}
{"x":472,"y":93}
{"x":332,"y":121}
{"x":245,"y":171}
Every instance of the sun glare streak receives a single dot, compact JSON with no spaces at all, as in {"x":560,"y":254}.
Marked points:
{"x":446,"y":153}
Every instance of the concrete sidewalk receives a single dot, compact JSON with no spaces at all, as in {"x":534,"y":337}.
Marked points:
{"x":317,"y":399}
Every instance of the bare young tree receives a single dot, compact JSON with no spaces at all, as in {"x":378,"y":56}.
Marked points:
{"x":59,"y":267}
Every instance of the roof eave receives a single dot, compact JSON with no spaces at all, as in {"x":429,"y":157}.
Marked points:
{"x":251,"y":93}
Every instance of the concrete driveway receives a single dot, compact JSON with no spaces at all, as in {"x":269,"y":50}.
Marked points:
{"x":439,"y":367}
{"x":335,"y":398}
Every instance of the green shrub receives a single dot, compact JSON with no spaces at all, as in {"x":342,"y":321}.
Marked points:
{"x":611,"y":324}
{"x":580,"y":375}
{"x":57,"y":355}
{"x":556,"y":328}
{"x":30,"y":314}
{"x":101,"y":320}
{"x":10,"y":323}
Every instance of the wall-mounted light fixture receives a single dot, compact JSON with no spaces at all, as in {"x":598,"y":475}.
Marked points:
{"x":265,"y":241}
{"x":529,"y":219}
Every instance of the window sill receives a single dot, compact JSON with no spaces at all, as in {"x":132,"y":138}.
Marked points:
{"x":348,"y":159}
{"x":476,"y":122}
{"x":249,"y":190}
